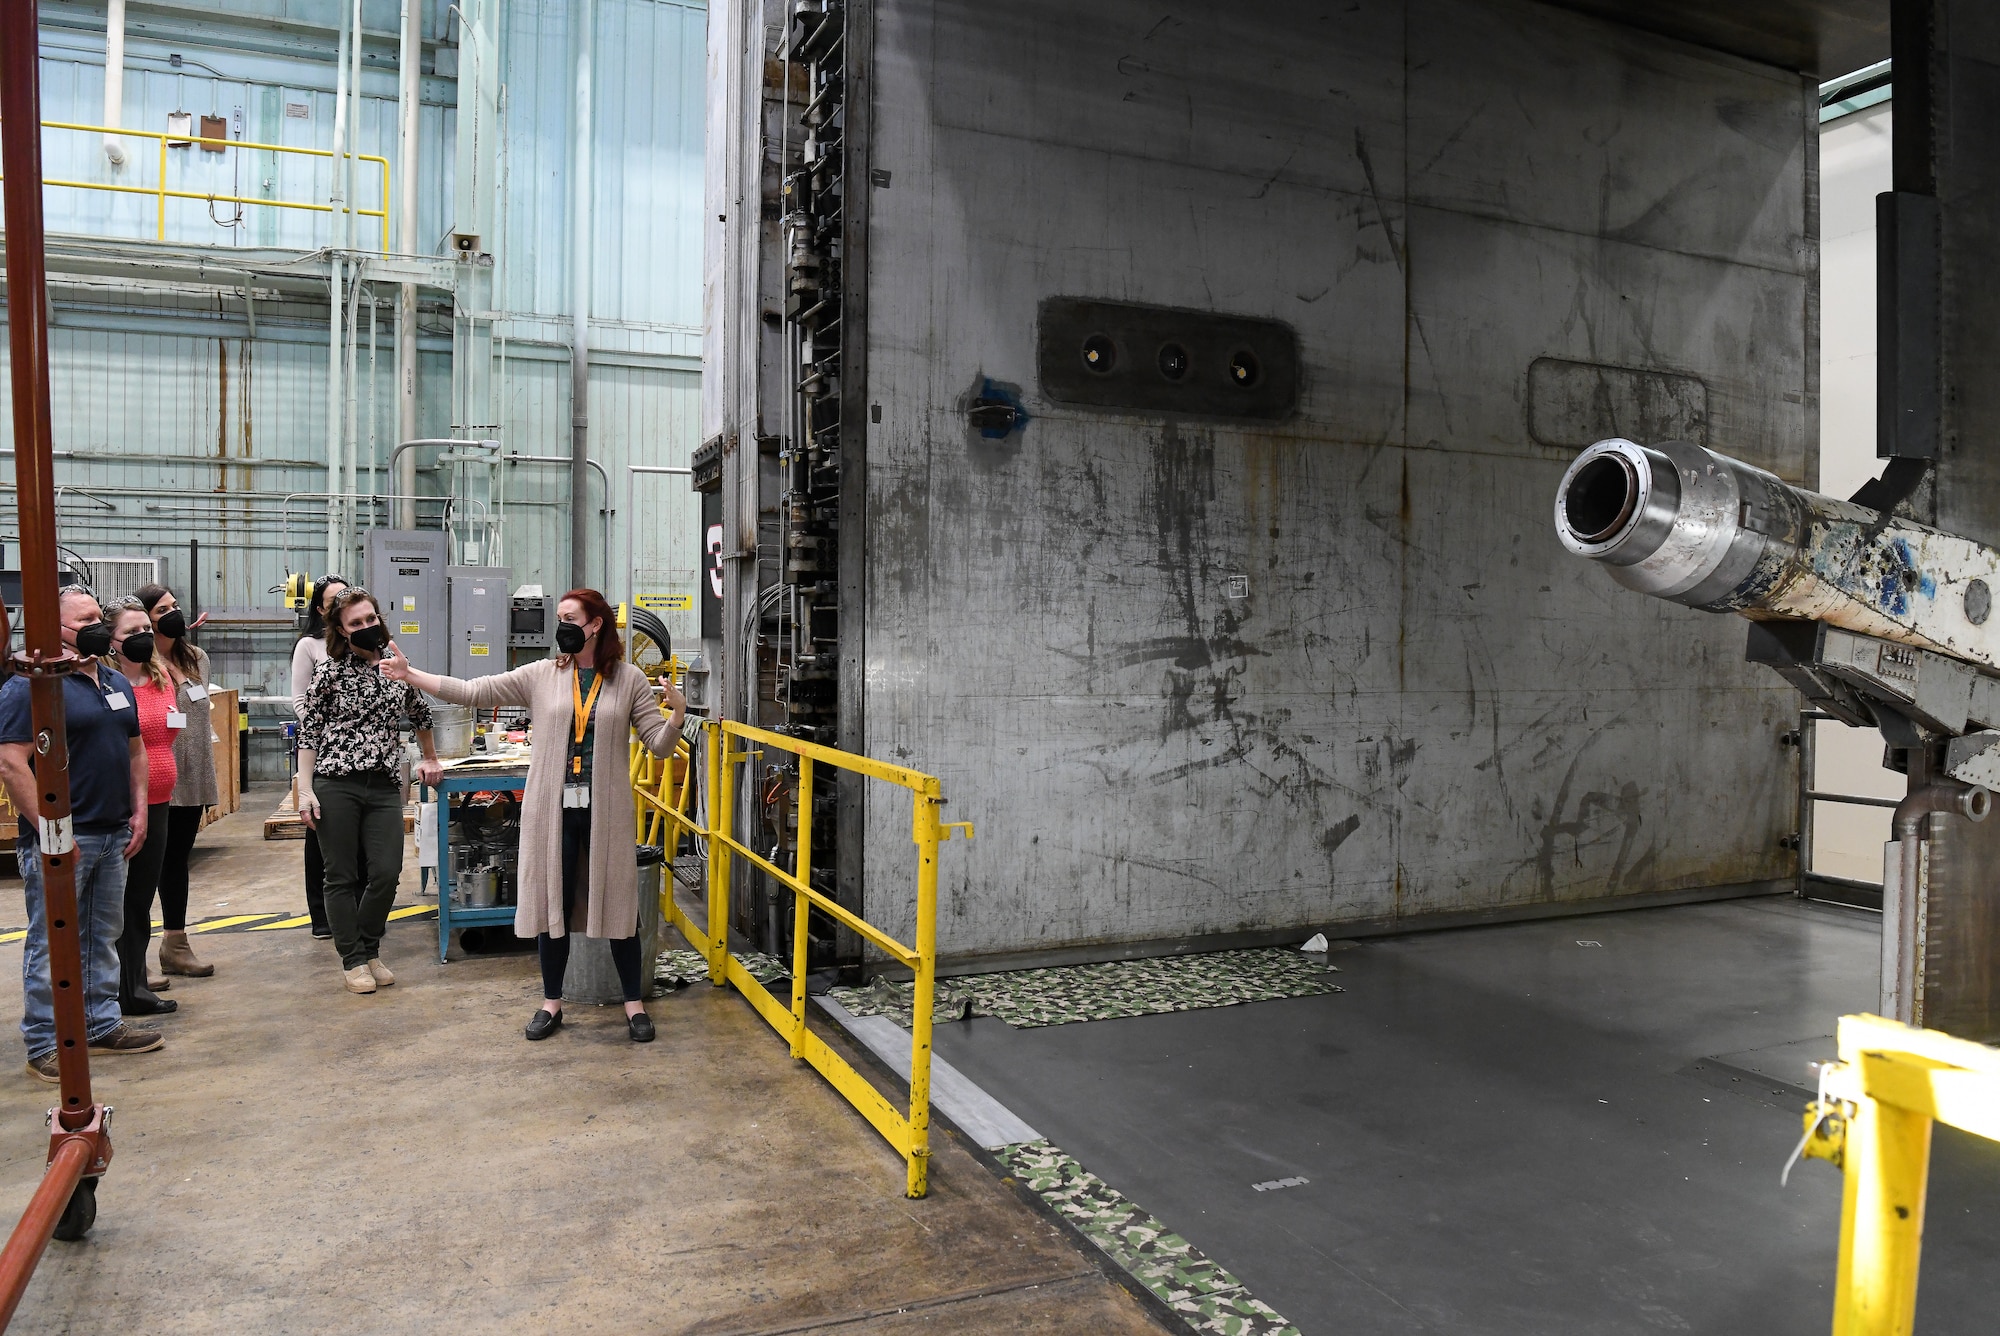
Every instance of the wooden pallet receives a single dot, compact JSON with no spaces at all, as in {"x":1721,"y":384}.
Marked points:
{"x":284,"y":823}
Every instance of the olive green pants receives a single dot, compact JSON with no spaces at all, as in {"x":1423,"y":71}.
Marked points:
{"x":360,"y":836}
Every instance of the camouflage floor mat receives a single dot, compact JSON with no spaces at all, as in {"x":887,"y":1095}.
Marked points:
{"x":1208,"y":1298}
{"x":1064,"y":994}
{"x":678,"y":969}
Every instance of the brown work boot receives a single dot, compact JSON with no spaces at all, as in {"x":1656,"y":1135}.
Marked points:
{"x":126,"y":1039}
{"x":177,"y":957}
{"x":44,"y":1068}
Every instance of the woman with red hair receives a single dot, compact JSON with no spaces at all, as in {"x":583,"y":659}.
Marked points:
{"x":577,"y":870}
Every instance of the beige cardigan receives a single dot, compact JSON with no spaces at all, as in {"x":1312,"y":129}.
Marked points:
{"x":611,"y":904}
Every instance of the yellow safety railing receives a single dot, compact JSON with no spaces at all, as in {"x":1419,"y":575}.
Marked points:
{"x":160,"y":192}
{"x":1873,"y":1120}
{"x":726,"y":748}
{"x":653,"y":782}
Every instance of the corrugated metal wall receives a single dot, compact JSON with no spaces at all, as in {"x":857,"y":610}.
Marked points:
{"x":172,"y":423}
{"x":646,"y":292}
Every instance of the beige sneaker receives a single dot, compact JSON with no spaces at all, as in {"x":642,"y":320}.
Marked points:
{"x":359,"y":980}
{"x":380,"y":972}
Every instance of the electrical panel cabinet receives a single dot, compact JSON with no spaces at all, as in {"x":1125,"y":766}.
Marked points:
{"x":406,"y":573}
{"x":480,"y":610}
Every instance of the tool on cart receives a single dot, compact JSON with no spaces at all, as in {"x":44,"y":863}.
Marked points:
{"x":65,"y":1204}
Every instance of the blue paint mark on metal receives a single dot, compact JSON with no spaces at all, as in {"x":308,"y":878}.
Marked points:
{"x":993,"y":424}
{"x":1903,"y":578}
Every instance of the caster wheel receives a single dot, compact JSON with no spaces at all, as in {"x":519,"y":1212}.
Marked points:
{"x":80,"y":1214}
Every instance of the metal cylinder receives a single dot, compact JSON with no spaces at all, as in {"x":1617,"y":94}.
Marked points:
{"x":1681,"y":522}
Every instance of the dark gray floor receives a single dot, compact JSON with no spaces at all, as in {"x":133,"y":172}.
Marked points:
{"x":1508,"y":1132}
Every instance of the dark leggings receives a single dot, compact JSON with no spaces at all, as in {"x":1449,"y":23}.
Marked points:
{"x":142,"y":880}
{"x":316,"y":879}
{"x":554,"y":951}
{"x":183,"y":824}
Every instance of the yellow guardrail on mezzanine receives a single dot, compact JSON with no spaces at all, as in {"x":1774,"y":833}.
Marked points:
{"x":664,"y":811}
{"x":1873,"y":1121}
{"x":159,"y":191}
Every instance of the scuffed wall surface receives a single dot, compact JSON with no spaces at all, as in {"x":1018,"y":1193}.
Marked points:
{"x":1419,"y":704}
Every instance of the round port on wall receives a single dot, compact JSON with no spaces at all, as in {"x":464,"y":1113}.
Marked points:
{"x":1099,"y":354}
{"x":1243,"y":369}
{"x":1173,"y":361}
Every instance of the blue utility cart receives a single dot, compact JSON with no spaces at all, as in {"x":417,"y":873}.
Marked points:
{"x":472,"y":775}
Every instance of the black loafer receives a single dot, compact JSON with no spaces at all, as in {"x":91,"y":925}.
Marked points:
{"x":640,"y":1027}
{"x":544,"y":1024}
{"x":146,"y":1004}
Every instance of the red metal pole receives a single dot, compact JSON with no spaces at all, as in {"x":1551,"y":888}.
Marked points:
{"x":31,"y":1236}
{"x":79,"y":1119}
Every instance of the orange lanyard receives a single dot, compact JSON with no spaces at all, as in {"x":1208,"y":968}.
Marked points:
{"x":581,"y":722}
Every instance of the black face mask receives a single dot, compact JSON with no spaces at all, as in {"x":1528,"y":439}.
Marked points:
{"x":93,"y":641}
{"x":173,"y":626}
{"x":370,"y":638}
{"x":138,"y":647}
{"x":569,"y":637}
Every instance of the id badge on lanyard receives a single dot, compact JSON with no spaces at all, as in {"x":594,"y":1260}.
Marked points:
{"x":576,"y":793}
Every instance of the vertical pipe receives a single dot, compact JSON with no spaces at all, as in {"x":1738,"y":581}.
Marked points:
{"x":351,"y":436}
{"x":334,"y":540}
{"x":351,"y":163}
{"x":408,"y":91}
{"x":374,"y":401}
{"x":28,"y":366}
{"x":336,"y":201}
{"x":579,"y":443}
{"x":1808,"y":764}
{"x":114,"y":80}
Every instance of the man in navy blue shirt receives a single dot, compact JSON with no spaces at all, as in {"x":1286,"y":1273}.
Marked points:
{"x":107,"y":794}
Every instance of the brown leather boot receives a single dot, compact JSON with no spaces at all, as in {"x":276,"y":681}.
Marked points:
{"x":177,"y":957}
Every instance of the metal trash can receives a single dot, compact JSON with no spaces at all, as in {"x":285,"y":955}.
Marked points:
{"x":592,"y":977}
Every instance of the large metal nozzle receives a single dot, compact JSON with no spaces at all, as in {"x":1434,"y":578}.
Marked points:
{"x":1676,"y":520}
{"x":1681,"y":522}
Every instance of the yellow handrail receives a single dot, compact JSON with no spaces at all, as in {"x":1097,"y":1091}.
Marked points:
{"x":652,"y":782}
{"x":160,"y":192}
{"x":1873,"y":1120}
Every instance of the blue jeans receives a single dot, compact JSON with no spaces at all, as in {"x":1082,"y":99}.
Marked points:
{"x":100,"y":912}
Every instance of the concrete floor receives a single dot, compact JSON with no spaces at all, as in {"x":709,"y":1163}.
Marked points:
{"x":1509,"y":1131}
{"x":300,"y":1159}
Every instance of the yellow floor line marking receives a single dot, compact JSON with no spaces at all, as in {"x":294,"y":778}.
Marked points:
{"x":238,"y":920}
{"x":212,"y":924}
{"x":298,"y":922}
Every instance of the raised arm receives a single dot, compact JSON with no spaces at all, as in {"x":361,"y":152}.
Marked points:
{"x":655,"y":729}
{"x":514,"y":688}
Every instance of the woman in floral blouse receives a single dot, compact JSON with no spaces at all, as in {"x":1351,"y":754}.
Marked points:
{"x":350,"y":781}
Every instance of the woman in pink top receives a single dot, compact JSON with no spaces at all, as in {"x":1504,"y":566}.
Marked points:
{"x":160,"y":718}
